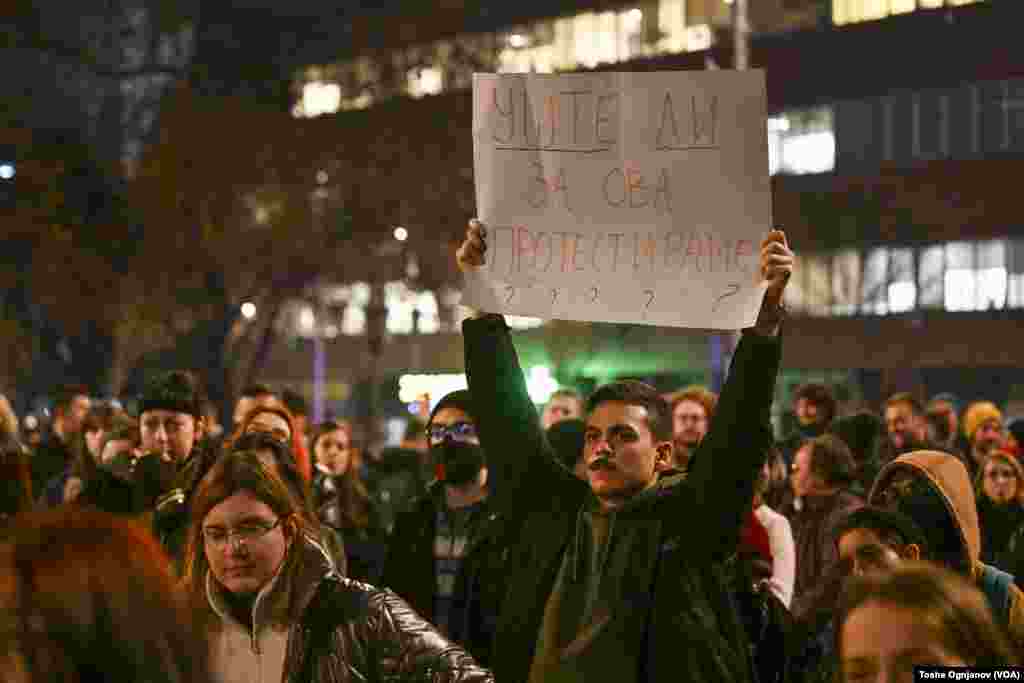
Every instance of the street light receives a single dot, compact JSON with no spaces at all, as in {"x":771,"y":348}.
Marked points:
{"x":6,"y":171}
{"x":401,"y":234}
{"x":249,"y":310}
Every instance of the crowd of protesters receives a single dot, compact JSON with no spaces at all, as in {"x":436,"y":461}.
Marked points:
{"x":626,"y":535}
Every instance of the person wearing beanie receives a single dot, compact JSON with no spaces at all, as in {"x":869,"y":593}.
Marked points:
{"x":171,"y":427}
{"x":983,"y":429}
{"x":432,"y":539}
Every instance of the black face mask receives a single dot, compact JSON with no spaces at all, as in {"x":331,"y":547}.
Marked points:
{"x":459,"y":463}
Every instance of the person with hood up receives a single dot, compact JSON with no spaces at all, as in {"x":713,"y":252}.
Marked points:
{"x":934,"y":490}
{"x":621,"y":577}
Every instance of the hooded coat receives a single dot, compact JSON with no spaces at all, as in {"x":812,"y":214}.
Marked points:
{"x":637,"y":594}
{"x":946,"y":475}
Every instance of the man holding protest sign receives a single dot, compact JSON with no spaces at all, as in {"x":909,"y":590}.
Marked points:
{"x":620,"y":577}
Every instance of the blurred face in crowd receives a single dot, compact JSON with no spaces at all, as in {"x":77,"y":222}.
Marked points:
{"x":988,"y":437}
{"x":806,"y":412}
{"x":247,"y":404}
{"x":116,"y":448}
{"x":883,"y":642}
{"x":862,"y":551}
{"x":620,"y":452}
{"x":689,"y":424}
{"x":74,"y":414}
{"x":169,"y":433}
{"x":999,"y":482}
{"x":333,"y":451}
{"x":803,"y":480}
{"x":947,"y":411}
{"x":903,"y":426}
{"x":245,"y":543}
{"x":93,"y":441}
{"x":561,"y":408}
{"x":271,"y":424}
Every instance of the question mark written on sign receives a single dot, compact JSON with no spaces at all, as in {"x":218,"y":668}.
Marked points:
{"x":733,"y":289}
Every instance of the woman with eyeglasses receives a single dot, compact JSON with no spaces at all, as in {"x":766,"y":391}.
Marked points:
{"x":343,"y":503}
{"x":999,"y":486}
{"x":275,"y":607}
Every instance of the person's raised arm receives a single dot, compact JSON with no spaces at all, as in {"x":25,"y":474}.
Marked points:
{"x":519,"y":459}
{"x":729,"y":458}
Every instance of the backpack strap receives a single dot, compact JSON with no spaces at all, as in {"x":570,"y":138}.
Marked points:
{"x":997,"y":586}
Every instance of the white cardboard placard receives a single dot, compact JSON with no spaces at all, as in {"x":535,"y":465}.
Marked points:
{"x":622,"y":197}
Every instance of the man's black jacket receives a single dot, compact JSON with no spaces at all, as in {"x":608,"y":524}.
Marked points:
{"x":673,"y":599}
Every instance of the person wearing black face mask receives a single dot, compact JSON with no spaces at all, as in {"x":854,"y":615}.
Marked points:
{"x":431,"y":540}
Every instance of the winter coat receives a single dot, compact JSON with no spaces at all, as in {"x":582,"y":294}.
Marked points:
{"x":346,"y":631}
{"x":410,"y":569}
{"x":998,"y":524}
{"x":49,"y":462}
{"x":660,"y":604}
{"x":364,"y":548}
{"x":816,"y":555}
{"x":947,"y":476}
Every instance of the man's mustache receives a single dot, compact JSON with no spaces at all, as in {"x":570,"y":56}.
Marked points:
{"x":602,"y":463}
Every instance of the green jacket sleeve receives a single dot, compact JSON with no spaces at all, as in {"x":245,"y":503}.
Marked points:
{"x":521,"y":464}
{"x":729,"y":458}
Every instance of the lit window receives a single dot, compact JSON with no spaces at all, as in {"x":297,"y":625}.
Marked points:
{"x":427,"y":81}
{"x":698,"y":37}
{"x":400,"y":303}
{"x":845,"y":282}
{"x":518,"y":322}
{"x":874,"y":288}
{"x":320,"y":98}
{"x":960,"y":290}
{"x":802,"y":141}
{"x":430,"y":321}
{"x":672,"y":25}
{"x":902,"y":296}
{"x":902,"y":288}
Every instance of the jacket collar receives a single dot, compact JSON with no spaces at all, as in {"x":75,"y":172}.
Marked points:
{"x":277,"y":598}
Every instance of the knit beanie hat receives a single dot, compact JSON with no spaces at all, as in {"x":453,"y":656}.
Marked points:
{"x":978,"y":414}
{"x":460,"y":399}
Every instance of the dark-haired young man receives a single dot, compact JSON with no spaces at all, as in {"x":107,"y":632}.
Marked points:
{"x":875,"y":539}
{"x":815,"y":408}
{"x":71,"y":403}
{"x":823,"y":471}
{"x":618,"y":578}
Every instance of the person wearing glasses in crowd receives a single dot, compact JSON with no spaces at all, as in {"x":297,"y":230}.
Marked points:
{"x":275,"y":608}
{"x":431,"y":540}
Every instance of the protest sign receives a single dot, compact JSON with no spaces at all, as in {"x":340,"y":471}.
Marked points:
{"x":622,"y":197}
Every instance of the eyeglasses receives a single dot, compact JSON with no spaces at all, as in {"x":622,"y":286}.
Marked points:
{"x":458,"y":431}
{"x":218,"y":538}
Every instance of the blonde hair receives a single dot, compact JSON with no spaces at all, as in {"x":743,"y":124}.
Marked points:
{"x":1006,"y":459}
